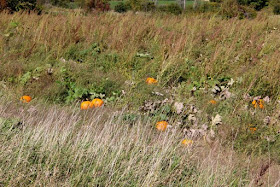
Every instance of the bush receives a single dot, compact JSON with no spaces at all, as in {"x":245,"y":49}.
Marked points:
{"x":231,"y":8}
{"x":276,"y":6}
{"x":276,"y":9}
{"x":216,"y":1}
{"x":3,"y":4}
{"x":121,"y":7}
{"x":247,"y":12}
{"x":204,"y":7}
{"x":60,"y":3}
{"x":17,"y":5}
{"x":256,"y":4}
{"x":172,"y":8}
{"x":135,"y":4}
{"x":148,"y":6}
{"x":98,"y":5}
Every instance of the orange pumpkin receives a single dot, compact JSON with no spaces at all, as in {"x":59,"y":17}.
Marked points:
{"x":254,"y":102}
{"x":151,"y":80}
{"x":213,"y":102}
{"x":97,"y":103}
{"x":187,"y":142}
{"x":258,"y":103}
{"x":85,"y":105}
{"x":261,"y":104}
{"x":253,"y":129}
{"x":25,"y":99}
{"x":161,"y":125}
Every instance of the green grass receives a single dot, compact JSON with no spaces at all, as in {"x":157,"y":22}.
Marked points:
{"x":114,"y":3}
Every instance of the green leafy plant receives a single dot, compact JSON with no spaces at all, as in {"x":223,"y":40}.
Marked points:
{"x":75,"y":52}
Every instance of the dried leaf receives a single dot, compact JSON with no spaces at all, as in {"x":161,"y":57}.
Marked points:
{"x":179,"y":107}
{"x":225,"y":94}
{"x":217,"y":120}
{"x":192,"y":118}
{"x":266,"y":99}
{"x":266,"y":120}
{"x":230,"y":83}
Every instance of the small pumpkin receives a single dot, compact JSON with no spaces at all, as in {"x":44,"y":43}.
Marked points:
{"x":261,"y":104}
{"x":258,"y":103}
{"x":85,"y":105}
{"x":97,"y":103}
{"x":161,"y":125}
{"x":254,"y":102}
{"x":253,"y":129}
{"x":26,"y":99}
{"x":151,"y":80}
{"x":213,"y":102}
{"x":187,"y":142}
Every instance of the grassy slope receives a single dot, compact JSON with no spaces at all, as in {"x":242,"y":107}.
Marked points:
{"x":67,"y":58}
{"x":50,"y":145}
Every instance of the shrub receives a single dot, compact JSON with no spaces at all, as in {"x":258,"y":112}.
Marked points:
{"x":204,"y":7}
{"x":276,"y":6}
{"x":172,"y":8}
{"x":231,"y":8}
{"x":3,"y":4}
{"x":135,"y":4}
{"x":98,"y":5}
{"x":148,"y":6}
{"x":256,"y":4}
{"x":210,"y":7}
{"x":61,"y":3}
{"x":17,"y":5}
{"x":141,"y":5}
{"x":276,"y":9}
{"x":122,"y":7}
{"x":216,"y":1}
{"x":247,"y":12}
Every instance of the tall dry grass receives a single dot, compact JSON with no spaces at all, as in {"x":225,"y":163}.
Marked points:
{"x":237,"y":47}
{"x":44,"y":145}
{"x":55,"y":145}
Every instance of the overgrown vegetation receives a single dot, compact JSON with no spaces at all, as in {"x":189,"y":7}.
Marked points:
{"x":216,"y":82}
{"x":226,"y":8}
{"x":63,"y":146}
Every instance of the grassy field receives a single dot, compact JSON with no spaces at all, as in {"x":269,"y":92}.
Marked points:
{"x":217,"y":85}
{"x":62,"y":146}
